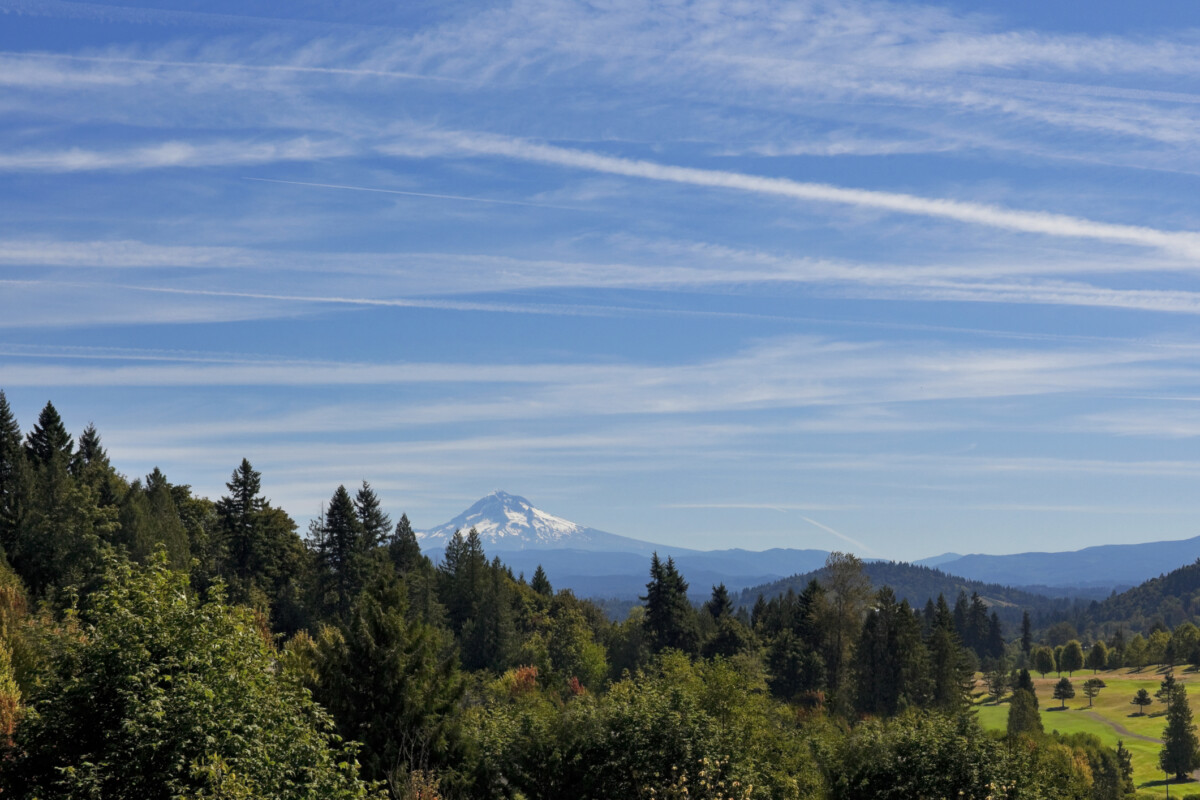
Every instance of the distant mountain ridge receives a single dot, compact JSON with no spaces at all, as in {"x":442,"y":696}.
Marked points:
{"x":1108,"y":565}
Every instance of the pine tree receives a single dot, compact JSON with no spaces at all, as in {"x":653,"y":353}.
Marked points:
{"x":719,"y":604}
{"x":1023,"y":716}
{"x":540,"y":583}
{"x":994,"y":645}
{"x":403,"y":549}
{"x":670,"y":619}
{"x":1064,"y":691}
{"x":49,"y":439}
{"x":1091,"y":689}
{"x":340,"y":552}
{"x":1024,"y":681}
{"x":13,"y":476}
{"x":890,"y":658}
{"x":375,"y":524}
{"x":237,"y":514}
{"x":1097,"y":658}
{"x":1026,"y":634}
{"x":1180,"y":744}
{"x":90,"y":451}
{"x":1141,"y":700}
{"x":390,"y":683}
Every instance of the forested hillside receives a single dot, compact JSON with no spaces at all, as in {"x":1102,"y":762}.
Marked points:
{"x":919,"y":585}
{"x":157,"y":644}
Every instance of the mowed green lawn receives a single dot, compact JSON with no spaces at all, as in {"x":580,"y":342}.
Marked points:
{"x":1111,"y":708}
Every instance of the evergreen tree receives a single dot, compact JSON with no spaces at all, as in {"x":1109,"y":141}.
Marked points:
{"x":1023,"y":716}
{"x":13,"y":476}
{"x":403,"y":549}
{"x":994,"y":643}
{"x":1024,"y":681}
{"x":719,"y":605}
{"x":391,"y":684}
{"x":1179,"y":752}
{"x":1064,"y":691}
{"x":1026,"y":634}
{"x":238,"y":514}
{"x":540,"y":583}
{"x":891,"y":659}
{"x":1141,"y":700}
{"x":89,"y":453}
{"x":342,"y":552}
{"x":848,"y":589}
{"x":489,"y":635}
{"x":1091,"y":689}
{"x":670,"y":619}
{"x":1097,"y":658}
{"x":49,"y":439}
{"x":1168,"y":689}
{"x":375,"y":524}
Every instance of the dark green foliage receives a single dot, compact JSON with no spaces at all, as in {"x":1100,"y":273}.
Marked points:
{"x":1097,"y":657}
{"x":1026,"y":633}
{"x":390,"y":684}
{"x":156,"y":684}
{"x":49,"y":439}
{"x":918,"y":584}
{"x":670,"y":618}
{"x":402,"y":547}
{"x":1043,"y":660}
{"x":730,"y":638}
{"x":892,"y":664}
{"x":13,"y":476}
{"x":1023,"y":715}
{"x":1091,"y":689}
{"x":375,"y":524}
{"x":540,"y":583}
{"x":1064,"y":691}
{"x":255,"y":550}
{"x":1142,"y":699}
{"x":1072,"y":657}
{"x":1024,"y":681}
{"x":1179,"y":754}
{"x":342,"y":550}
{"x":719,"y":604}
{"x":926,"y":756}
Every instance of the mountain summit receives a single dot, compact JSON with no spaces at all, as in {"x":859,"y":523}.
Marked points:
{"x":507,"y":522}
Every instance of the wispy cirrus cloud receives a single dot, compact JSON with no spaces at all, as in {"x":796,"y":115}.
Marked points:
{"x":171,"y":154}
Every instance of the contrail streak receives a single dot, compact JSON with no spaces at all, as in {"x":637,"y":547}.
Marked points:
{"x":413,"y":194}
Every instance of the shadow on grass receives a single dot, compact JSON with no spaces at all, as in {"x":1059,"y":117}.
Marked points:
{"x":1057,"y":708}
{"x":1172,"y":782}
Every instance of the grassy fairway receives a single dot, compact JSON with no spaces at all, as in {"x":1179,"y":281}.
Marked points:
{"x":1110,"y":718}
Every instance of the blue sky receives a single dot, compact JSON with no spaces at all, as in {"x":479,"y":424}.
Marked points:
{"x":894,"y":278}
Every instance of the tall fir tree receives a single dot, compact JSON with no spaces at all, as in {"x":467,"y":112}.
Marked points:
{"x":541,"y":583}
{"x":670,"y":618}
{"x":238,"y":512}
{"x":403,"y":549}
{"x":719,"y":605}
{"x":13,"y":476}
{"x":1179,"y":754}
{"x":890,"y":658}
{"x":341,"y":552}
{"x":1026,"y":634}
{"x":49,"y":439}
{"x":375,"y":524}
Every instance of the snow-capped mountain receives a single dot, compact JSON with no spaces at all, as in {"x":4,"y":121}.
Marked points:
{"x":506,"y":522}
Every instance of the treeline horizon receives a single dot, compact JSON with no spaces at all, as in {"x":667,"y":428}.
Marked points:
{"x":154,"y":643}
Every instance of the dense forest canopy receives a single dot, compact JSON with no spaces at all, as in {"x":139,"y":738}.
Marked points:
{"x":158,"y":644}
